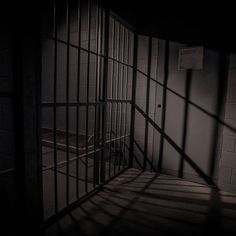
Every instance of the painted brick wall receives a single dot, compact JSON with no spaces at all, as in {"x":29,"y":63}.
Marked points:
{"x":227,"y":174}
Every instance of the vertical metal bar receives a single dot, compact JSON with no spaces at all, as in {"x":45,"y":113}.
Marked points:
{"x":104,"y":98}
{"x":67,"y":101}
{"x":185,"y":122}
{"x":147,"y":103}
{"x":134,"y":80}
{"x":122,"y":97}
{"x":95,"y":166}
{"x":87,"y":100}
{"x":111,"y":92}
{"x":166,"y":75}
{"x":127,"y":89}
{"x":55,"y":109}
{"x":112,"y":78}
{"x":78,"y":100}
{"x":116,"y":43}
{"x":100,"y":85}
{"x":117,"y":92}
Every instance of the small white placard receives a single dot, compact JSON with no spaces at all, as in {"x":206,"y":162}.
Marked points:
{"x":191,"y":58}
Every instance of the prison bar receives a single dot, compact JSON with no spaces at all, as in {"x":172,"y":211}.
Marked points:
{"x":99,"y":92}
{"x":117,"y":92}
{"x":55,"y":109}
{"x":121,"y":96}
{"x":78,"y":98}
{"x":124,"y":111}
{"x":111,"y":90}
{"x":67,"y":100}
{"x":87,"y":99}
{"x":104,"y":94}
{"x":127,"y":89}
{"x":114,"y":78}
{"x":134,"y":81}
{"x":95,"y":161}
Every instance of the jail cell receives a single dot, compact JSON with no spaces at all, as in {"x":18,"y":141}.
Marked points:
{"x":86,"y":97}
{"x":107,"y":129}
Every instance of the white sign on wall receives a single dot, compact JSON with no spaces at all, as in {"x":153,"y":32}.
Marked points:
{"x":191,"y":58}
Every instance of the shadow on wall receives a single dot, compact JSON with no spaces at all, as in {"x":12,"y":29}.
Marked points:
{"x":185,"y":112}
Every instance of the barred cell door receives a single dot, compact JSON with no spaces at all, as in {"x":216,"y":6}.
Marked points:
{"x":87,"y":68}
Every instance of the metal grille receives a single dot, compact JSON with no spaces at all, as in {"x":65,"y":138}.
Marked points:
{"x":87,"y":66}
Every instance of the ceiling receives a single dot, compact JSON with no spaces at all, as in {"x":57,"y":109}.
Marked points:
{"x":212,"y":26}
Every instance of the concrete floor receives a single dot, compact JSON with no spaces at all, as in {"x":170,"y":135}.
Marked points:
{"x":145,"y":203}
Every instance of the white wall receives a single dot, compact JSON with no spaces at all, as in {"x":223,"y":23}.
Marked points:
{"x":200,"y":126}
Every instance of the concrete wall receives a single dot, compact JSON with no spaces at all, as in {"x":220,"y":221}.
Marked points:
{"x":227,"y":173}
{"x":200,"y":126}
